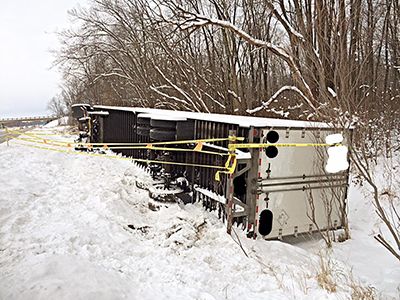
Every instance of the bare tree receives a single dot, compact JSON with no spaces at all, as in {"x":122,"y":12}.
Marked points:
{"x":57,"y":106}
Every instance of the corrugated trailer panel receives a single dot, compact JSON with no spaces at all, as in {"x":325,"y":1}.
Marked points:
{"x":118,"y":128}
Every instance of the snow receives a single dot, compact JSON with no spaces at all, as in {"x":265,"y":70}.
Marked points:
{"x":55,"y":123}
{"x":80,"y":104}
{"x":366,"y":255}
{"x":64,"y":234}
{"x":243,"y":121}
{"x":337,"y":159}
{"x":84,"y":119}
{"x":273,"y":98}
{"x":240,"y":155}
{"x":332,"y":92}
{"x":367,"y":258}
{"x":98,"y":113}
{"x":211,"y":195}
{"x":160,"y":117}
{"x":334,"y":138}
{"x":337,"y":155}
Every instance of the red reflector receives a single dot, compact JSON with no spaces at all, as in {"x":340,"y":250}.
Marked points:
{"x":255,"y":132}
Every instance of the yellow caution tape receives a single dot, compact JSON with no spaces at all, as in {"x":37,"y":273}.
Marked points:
{"x":90,"y":146}
{"x":255,"y":145}
{"x":169,"y":142}
{"x":41,"y":141}
{"x":41,"y":133}
{"x":198,"y":142}
{"x":217,"y":176}
{"x":168,"y":149}
{"x":36,"y":137}
{"x":230,"y":166}
{"x":106,"y":146}
{"x":12,"y":131}
{"x":147,"y":145}
{"x":122,"y":158}
{"x":198,"y":147}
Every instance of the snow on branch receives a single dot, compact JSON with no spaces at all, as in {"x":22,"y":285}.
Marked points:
{"x":179,"y":90}
{"x":265,"y":105}
{"x":166,"y":96}
{"x":111,"y":74}
{"x":215,"y":101}
{"x":197,"y":20}
{"x":193,"y":20}
{"x":288,"y":27}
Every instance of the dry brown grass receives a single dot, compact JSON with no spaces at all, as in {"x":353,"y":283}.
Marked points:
{"x":332,"y":278}
{"x":359,"y":292}
{"x":325,"y":276}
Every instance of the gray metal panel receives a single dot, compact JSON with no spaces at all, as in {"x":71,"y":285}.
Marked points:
{"x":294,"y":183}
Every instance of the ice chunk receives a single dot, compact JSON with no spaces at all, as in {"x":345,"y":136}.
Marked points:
{"x":337,"y":159}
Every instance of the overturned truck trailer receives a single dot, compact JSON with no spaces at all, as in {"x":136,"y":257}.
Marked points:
{"x":278,"y":191}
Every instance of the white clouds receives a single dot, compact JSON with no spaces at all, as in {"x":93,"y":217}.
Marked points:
{"x":27,"y":34}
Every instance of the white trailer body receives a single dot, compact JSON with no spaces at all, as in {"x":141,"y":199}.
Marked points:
{"x":294,"y":192}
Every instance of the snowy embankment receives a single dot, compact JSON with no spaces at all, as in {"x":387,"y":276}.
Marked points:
{"x":77,"y":227}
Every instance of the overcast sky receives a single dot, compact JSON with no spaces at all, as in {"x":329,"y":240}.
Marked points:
{"x":27,"y":34}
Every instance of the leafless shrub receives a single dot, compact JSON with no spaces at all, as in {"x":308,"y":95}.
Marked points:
{"x":57,"y":106}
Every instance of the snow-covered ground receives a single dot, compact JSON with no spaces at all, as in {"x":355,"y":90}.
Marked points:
{"x":77,"y":227}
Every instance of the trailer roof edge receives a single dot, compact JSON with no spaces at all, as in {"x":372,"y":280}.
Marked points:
{"x":242,"y":121}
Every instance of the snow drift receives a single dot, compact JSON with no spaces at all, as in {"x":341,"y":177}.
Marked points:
{"x":77,"y":227}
